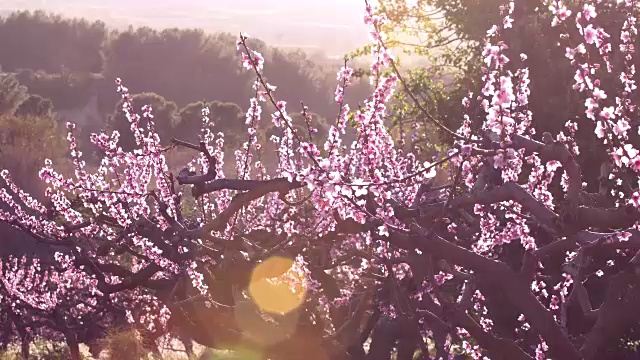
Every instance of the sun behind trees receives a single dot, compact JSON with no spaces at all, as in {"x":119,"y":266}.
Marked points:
{"x":378,"y":258}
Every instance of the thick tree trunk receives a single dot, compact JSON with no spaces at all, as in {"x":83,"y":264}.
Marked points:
{"x":188,"y":347}
{"x":383,"y":340}
{"x":24,"y":348}
{"x":74,"y":350}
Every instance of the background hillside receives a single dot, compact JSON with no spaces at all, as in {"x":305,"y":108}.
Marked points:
{"x":326,"y":25}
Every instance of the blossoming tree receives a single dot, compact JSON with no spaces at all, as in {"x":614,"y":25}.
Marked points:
{"x":352,"y":250}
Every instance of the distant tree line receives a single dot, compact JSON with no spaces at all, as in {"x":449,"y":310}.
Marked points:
{"x":51,"y":63}
{"x":56,"y":57}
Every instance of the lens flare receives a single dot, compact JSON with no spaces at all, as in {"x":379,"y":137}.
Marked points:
{"x":276,"y":291}
{"x":277,"y":285}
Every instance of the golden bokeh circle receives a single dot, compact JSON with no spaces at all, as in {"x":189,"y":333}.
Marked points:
{"x":276,"y":287}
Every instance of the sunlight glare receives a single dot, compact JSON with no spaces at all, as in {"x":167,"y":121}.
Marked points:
{"x":276,"y":286}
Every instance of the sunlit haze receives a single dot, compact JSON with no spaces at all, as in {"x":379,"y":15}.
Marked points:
{"x":331,"y":26}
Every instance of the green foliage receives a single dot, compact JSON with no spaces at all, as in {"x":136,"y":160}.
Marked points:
{"x":434,"y":66}
{"x":208,"y":67}
{"x":12,"y":93}
{"x":124,"y":344}
{"x":407,"y":120}
{"x":227,"y":118}
{"x":71,"y":60}
{"x":178,"y":64}
{"x":41,"y":350}
{"x":36,"y":105}
{"x":209,"y":354}
{"x":25,"y":142}
{"x":164,"y":116}
{"x":56,"y":44}
{"x":316,"y":128}
{"x":10,"y":355}
{"x":448,"y":36}
{"x":69,"y":92}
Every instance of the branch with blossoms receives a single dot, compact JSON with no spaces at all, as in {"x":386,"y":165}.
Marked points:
{"x":53,"y":303}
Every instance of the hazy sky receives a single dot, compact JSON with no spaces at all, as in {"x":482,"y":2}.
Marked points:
{"x":334,"y":26}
